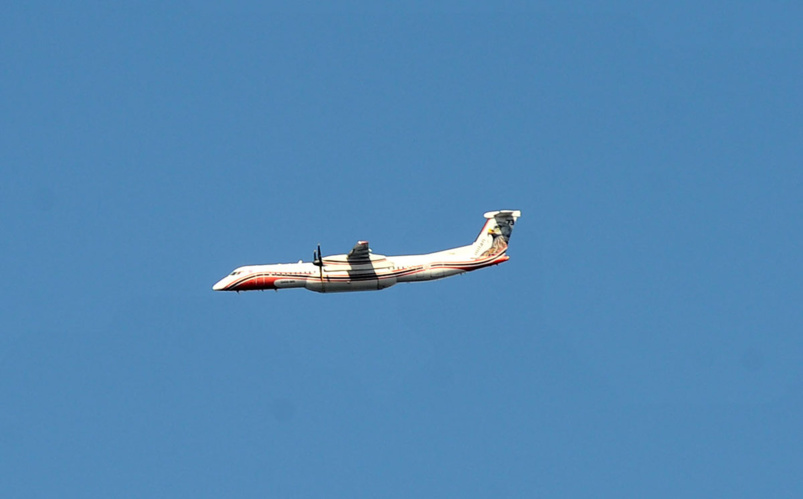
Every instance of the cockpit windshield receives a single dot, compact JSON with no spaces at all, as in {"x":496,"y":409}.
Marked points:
{"x":236,"y":272}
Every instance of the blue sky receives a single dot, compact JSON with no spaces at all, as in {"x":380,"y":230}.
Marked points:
{"x":643,"y":340}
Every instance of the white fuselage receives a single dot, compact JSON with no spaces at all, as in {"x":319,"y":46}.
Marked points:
{"x":338,"y":274}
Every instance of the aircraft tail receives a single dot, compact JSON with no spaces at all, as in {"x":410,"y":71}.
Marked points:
{"x":495,"y":234}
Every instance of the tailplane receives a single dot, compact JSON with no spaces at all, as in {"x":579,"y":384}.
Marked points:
{"x":495,"y":234}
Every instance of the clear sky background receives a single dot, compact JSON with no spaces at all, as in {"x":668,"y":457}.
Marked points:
{"x":644,"y":340}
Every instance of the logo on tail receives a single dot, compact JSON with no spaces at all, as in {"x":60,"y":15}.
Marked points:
{"x":494,"y":237}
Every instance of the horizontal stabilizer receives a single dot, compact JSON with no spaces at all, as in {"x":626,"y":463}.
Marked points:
{"x":514,"y":214}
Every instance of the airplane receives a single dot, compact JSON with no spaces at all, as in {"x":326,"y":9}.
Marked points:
{"x":362,"y":270}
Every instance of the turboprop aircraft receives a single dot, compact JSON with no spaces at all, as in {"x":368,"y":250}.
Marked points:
{"x":362,"y":270}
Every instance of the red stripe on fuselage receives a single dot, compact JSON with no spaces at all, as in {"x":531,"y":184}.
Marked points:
{"x":254,"y":282}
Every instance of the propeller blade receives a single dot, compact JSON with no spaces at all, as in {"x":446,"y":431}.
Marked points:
{"x":317,"y":259}
{"x":320,"y":263}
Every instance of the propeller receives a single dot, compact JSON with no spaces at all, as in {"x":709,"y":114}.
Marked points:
{"x":317,"y":260}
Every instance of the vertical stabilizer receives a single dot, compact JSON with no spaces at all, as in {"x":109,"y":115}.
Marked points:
{"x":495,"y":234}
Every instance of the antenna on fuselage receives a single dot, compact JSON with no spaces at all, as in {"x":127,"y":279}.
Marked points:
{"x":317,"y":260}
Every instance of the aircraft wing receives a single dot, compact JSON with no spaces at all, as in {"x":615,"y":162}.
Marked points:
{"x":360,"y":252}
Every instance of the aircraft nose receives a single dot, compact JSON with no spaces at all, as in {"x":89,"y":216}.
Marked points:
{"x":219,"y":285}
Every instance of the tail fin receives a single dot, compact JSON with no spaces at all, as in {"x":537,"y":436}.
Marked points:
{"x":495,"y":234}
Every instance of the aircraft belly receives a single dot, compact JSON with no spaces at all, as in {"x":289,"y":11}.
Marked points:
{"x":448,"y":272}
{"x":430,"y":274}
{"x":288,"y":283}
{"x":343,"y":285}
